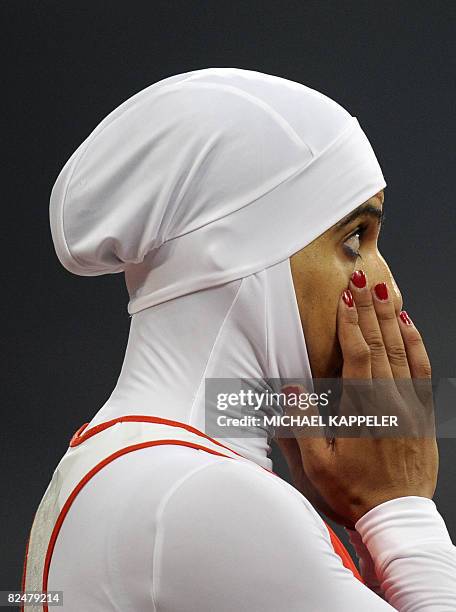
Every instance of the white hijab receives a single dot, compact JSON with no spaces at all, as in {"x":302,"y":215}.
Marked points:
{"x":200,"y":187}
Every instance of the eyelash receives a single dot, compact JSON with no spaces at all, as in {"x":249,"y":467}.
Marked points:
{"x":359,"y":231}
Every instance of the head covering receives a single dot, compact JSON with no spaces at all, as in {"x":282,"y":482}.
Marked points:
{"x":200,"y":187}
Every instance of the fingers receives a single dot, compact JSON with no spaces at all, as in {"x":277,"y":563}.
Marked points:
{"x":297,"y":405}
{"x":419,"y":364}
{"x":311,"y":439}
{"x":355,"y":350}
{"x":392,"y":337}
{"x":418,"y":359}
{"x":370,"y":326}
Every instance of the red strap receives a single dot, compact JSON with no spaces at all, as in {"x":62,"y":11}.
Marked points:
{"x":24,"y":568}
{"x":343,"y":553}
{"x":80,"y":437}
{"x":87,"y":477}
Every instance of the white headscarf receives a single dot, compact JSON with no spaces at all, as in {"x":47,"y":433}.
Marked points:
{"x":200,"y":187}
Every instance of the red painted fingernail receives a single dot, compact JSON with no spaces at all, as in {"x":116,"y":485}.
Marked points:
{"x":404,"y":316}
{"x":348,"y":298}
{"x":381,"y":291}
{"x":290,"y":389}
{"x":359,"y":279}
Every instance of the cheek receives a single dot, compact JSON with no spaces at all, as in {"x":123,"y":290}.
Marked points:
{"x":318,"y":315}
{"x":322,"y":292}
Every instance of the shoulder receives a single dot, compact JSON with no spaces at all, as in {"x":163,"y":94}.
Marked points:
{"x":231,"y":536}
{"x":246,"y":498}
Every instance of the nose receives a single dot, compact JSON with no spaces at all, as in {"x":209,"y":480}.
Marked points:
{"x":380,"y":272}
{"x":397,"y":299}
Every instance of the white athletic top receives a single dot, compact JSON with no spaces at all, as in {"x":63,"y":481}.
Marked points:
{"x":170,"y":527}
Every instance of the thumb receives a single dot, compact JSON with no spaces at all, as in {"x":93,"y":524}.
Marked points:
{"x":310,"y":438}
{"x":302,"y":417}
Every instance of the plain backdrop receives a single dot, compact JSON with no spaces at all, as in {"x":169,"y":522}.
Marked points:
{"x":67,"y":64}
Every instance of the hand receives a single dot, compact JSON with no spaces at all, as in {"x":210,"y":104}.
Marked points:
{"x":345,"y":477}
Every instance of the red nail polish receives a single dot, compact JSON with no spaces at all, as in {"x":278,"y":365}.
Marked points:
{"x":348,"y":298}
{"x":404,"y":316}
{"x":359,"y":279}
{"x":381,"y":291}
{"x":290,"y":389}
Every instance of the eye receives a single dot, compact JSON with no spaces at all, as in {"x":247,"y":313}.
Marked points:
{"x":366,"y":231}
{"x":353,"y":243}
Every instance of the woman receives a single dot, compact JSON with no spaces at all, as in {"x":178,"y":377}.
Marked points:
{"x":237,"y":204}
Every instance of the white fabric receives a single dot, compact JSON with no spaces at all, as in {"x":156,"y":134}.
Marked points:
{"x":172,"y":528}
{"x":206,"y":177}
{"x":199,"y":188}
{"x":248,"y":327}
{"x":80,"y":460}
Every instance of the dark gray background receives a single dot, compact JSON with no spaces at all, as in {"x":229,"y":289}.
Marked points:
{"x":68,"y":64}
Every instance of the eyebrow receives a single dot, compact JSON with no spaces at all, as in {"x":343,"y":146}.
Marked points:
{"x":364,"y":209}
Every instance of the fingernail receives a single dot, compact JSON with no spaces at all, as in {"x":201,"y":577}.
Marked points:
{"x":348,"y":298}
{"x":381,"y":291}
{"x":290,"y":389}
{"x":359,"y":279}
{"x":404,"y":316}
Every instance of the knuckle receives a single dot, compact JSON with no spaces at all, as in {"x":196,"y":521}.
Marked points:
{"x":352,"y":320}
{"x":386,"y":314}
{"x":396,"y":354}
{"x":350,"y":329}
{"x":414,"y":339}
{"x":375,"y":343}
{"x":425,"y":369}
{"x":350,"y":316}
{"x":365,"y":306}
{"x":360,"y":354}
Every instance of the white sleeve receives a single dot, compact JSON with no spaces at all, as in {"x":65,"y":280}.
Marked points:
{"x":414,"y":557}
{"x":232,"y":537}
{"x":365,"y":563}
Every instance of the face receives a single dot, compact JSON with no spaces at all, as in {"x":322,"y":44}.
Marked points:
{"x":321,"y":271}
